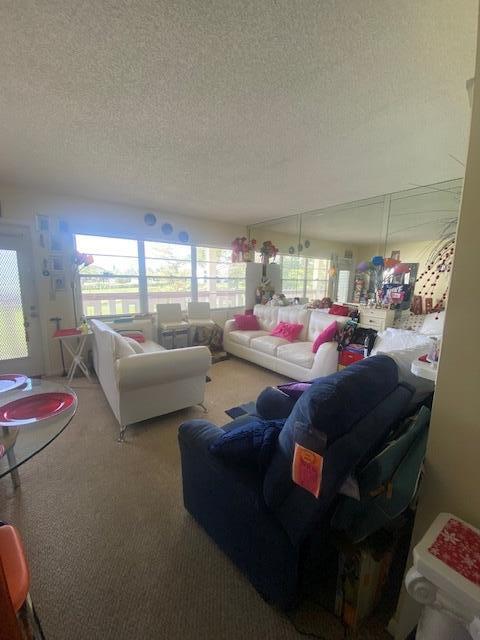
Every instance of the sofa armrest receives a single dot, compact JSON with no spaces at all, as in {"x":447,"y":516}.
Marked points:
{"x":229,"y":326}
{"x":326,"y":360}
{"x":148,"y":369}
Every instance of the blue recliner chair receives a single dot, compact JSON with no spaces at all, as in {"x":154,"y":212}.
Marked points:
{"x":266,"y":524}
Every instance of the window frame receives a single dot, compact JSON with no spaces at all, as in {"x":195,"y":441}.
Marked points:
{"x":143,"y":277}
{"x":306,"y":277}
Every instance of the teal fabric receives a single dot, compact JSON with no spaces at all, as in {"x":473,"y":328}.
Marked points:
{"x":387,"y":483}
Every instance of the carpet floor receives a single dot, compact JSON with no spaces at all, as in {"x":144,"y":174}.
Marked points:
{"x":113,"y":553}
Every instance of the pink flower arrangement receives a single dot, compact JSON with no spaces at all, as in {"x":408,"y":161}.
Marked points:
{"x":82,"y":259}
{"x":268,"y":250}
{"x":242,"y":249}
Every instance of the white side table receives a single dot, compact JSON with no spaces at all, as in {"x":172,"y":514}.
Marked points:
{"x":427,"y":370}
{"x":75,"y":345}
{"x":444,"y":579}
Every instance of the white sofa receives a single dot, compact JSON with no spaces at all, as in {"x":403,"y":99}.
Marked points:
{"x":293,"y":359}
{"x":146,"y":380}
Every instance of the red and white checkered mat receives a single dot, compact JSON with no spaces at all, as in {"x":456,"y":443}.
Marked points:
{"x":458,"y":547}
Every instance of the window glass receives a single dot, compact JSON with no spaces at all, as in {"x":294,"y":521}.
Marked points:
{"x":110,"y":285}
{"x":219,"y":281}
{"x":169,"y":273}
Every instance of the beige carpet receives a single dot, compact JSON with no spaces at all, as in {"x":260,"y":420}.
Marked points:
{"x":113,"y":553}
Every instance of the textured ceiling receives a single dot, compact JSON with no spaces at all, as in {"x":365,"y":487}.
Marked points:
{"x":233,"y":109}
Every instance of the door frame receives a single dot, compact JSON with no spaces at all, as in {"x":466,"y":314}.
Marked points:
{"x":23,"y":235}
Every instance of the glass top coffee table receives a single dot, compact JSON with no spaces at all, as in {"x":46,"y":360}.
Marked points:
{"x":31,"y":417}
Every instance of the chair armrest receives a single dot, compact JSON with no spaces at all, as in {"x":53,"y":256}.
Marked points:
{"x":199,"y":434}
{"x":148,"y":369}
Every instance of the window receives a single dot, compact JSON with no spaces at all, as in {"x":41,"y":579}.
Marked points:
{"x":219,"y":281}
{"x":304,"y":277}
{"x":168,"y":270}
{"x":316,"y":279}
{"x":110,"y":285}
{"x":293,"y":276}
{"x":343,"y":287}
{"x":133,"y":276}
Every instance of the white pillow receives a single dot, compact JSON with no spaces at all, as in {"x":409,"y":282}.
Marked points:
{"x":122,"y":347}
{"x":136,"y":346}
{"x":398,"y":339}
{"x":433,"y":324}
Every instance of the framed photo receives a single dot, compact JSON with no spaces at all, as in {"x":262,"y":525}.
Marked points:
{"x":42,"y":223}
{"x":395,"y":255}
{"x":55,"y":242}
{"x":59,"y":282}
{"x":62,"y":226}
{"x":57,"y":263}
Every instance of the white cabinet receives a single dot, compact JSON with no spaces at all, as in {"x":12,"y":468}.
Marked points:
{"x":371,"y":318}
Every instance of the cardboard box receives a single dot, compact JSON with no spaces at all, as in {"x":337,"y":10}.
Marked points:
{"x":362,"y":573}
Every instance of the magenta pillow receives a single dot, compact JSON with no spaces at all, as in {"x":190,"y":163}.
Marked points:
{"x":287,"y":330}
{"x":327,"y":335}
{"x":247,"y":323}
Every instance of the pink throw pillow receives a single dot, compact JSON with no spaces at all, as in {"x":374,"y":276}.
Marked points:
{"x":247,"y":323}
{"x":327,"y":335}
{"x":287,"y":330}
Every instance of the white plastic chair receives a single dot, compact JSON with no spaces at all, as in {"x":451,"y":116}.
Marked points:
{"x":170,"y":322}
{"x":199,"y":314}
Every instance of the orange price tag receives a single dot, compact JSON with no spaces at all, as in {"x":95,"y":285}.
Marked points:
{"x":307,"y":469}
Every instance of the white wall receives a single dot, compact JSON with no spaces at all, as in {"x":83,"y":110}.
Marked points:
{"x":452,"y":476}
{"x":19,"y":206}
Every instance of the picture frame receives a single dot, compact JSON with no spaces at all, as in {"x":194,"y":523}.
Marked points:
{"x":62,"y":225}
{"x":59,"y":282}
{"x":56,"y":242}
{"x":395,"y":255}
{"x":42,"y":223}
{"x":57,"y":263}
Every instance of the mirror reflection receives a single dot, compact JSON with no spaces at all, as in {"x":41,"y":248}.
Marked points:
{"x":392,"y":251}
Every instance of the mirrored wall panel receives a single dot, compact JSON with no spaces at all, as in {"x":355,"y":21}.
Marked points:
{"x":392,"y":250}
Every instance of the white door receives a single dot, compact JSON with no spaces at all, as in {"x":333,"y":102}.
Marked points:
{"x":20,"y":335}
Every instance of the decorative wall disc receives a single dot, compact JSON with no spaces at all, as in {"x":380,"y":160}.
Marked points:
{"x":150,"y":219}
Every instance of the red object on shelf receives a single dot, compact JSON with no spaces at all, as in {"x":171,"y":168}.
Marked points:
{"x":339,"y":310}
{"x":458,"y":546}
{"x":349,"y":357}
{"x":60,"y":333}
{"x":34,"y":408}
{"x":423,"y":358}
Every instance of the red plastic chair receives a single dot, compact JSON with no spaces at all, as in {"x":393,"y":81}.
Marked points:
{"x":17,"y":577}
